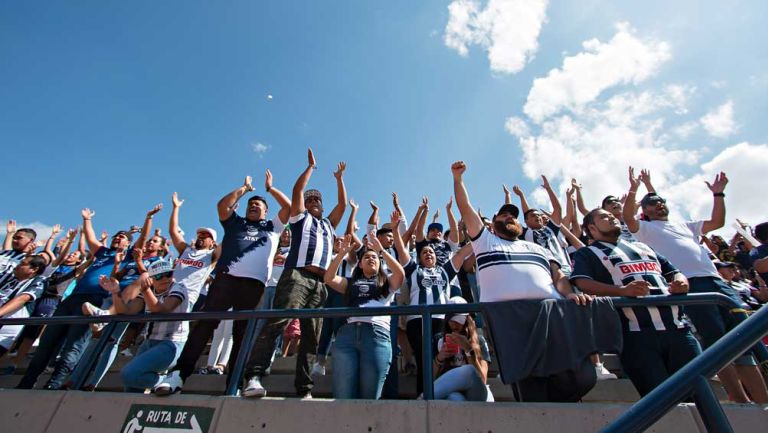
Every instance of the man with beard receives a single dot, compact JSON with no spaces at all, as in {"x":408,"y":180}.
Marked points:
{"x":657,"y":342}
{"x":242,"y":269}
{"x":73,"y":338}
{"x":301,"y":285}
{"x":679,"y":242}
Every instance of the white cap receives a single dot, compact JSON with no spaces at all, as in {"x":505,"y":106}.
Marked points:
{"x":460,"y":318}
{"x":208,"y":230}
{"x":159,"y":267}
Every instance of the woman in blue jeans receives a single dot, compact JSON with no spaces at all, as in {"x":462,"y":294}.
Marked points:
{"x":362,"y":352}
{"x":163,"y":346}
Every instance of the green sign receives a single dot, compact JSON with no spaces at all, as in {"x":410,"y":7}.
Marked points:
{"x":155,"y":418}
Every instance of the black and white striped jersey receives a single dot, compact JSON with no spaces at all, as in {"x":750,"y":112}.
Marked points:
{"x":9,"y":259}
{"x":621,"y":263}
{"x":311,"y":242}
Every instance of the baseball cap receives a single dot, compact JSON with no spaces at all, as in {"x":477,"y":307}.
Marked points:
{"x":313,"y":193}
{"x":208,"y":230}
{"x":159,"y":267}
{"x":435,"y":226}
{"x":460,"y":318}
{"x":509,"y":208}
{"x":124,"y":233}
{"x":385,"y":228}
{"x":609,"y":199}
{"x":651,"y":199}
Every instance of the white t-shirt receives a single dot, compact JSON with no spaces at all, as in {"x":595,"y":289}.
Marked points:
{"x":192,"y":269}
{"x":679,"y":243}
{"x":510,"y":270}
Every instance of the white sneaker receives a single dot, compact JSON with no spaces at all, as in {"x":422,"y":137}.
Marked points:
{"x":92,"y":310}
{"x":171,"y":384}
{"x":254,"y":389}
{"x":317,"y":370}
{"x":127,"y":353}
{"x":603,"y":373}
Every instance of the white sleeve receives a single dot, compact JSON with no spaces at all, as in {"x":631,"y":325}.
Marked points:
{"x":370,"y":228}
{"x":695,"y":228}
{"x":277,"y":224}
{"x":297,"y":218}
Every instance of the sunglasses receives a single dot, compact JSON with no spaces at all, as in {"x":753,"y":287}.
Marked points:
{"x":159,"y":277}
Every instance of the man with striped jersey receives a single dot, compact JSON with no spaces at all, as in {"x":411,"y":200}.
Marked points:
{"x":301,"y":285}
{"x":16,"y":293}
{"x":17,"y":244}
{"x":656,"y":342}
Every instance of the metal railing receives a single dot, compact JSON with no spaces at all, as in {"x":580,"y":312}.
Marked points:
{"x":689,"y":380}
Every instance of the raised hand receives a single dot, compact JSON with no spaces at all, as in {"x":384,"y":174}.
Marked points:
{"x":574,"y":184}
{"x":373,"y":242}
{"x":158,"y":207}
{"x":248,"y":184}
{"x":373,"y":206}
{"x":55,"y":230}
{"x":158,"y":232}
{"x":718,"y":186}
{"x":109,"y":284}
{"x":71,"y":233}
{"x":340,"y":170}
{"x":104,"y":236}
{"x":545,"y":182}
{"x":506,"y":190}
{"x":311,"y":159}
{"x":516,"y":189}
{"x":177,"y":202}
{"x":134,"y":229}
{"x":458,"y":168}
{"x":634,"y":182}
{"x":10,"y":227}
{"x":353,"y":204}
{"x":395,"y":200}
{"x":449,"y":204}
{"x":87,"y":213}
{"x":394,"y":219}
{"x":137,"y":254}
{"x":346,"y":244}
{"x":424,"y":203}
{"x":436,"y":216}
{"x":569,"y":193}
{"x":645,"y":176}
{"x":268,"y":180}
{"x":119,"y":257}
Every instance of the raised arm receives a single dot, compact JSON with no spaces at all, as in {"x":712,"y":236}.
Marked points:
{"x":10,"y":230}
{"x":226,"y":205}
{"x":645,"y":178}
{"x":630,"y":212}
{"x":468,"y":215}
{"x":285,"y":204}
{"x":452,"y":225}
{"x":90,"y":235}
{"x":579,"y":198}
{"x":352,"y":231}
{"x":154,"y":306}
{"x":48,"y":248}
{"x":401,"y":224}
{"x":373,"y":220}
{"x":397,"y":274}
{"x":64,"y":251}
{"x":507,"y":194}
{"x":297,"y":195}
{"x":146,"y":229}
{"x":571,"y":219}
{"x":422,"y":219}
{"x":332,"y":280}
{"x":717,"y":219}
{"x":521,"y":195}
{"x":557,"y":210}
{"x":402,"y":254}
{"x":173,"y":226}
{"x":413,"y":226}
{"x":341,"y":196}
{"x":461,"y":255}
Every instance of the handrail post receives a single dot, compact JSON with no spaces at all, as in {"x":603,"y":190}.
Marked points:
{"x":91,"y":361}
{"x":709,"y":408}
{"x":759,"y":349}
{"x":236,"y":375}
{"x":426,"y":354}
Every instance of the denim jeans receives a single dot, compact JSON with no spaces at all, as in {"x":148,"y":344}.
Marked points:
{"x":104,"y":361}
{"x":71,"y":338}
{"x":461,"y":384}
{"x":361,"y":358}
{"x":153,"y":358}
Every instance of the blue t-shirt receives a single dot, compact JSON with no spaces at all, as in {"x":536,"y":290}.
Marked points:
{"x":757,"y":253}
{"x":130,"y":269}
{"x":102,"y":264}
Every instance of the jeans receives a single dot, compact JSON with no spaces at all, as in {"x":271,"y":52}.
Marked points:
{"x":104,"y":361}
{"x":152,"y":358}
{"x":71,"y":338}
{"x":225,"y":292}
{"x":361,"y":358}
{"x":297,"y":288}
{"x":461,"y":384}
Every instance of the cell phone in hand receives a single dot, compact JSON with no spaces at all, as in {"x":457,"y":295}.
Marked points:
{"x":450,"y":344}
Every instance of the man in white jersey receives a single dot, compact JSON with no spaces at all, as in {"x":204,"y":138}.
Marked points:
{"x":679,"y":242}
{"x":301,"y":285}
{"x":17,"y":244}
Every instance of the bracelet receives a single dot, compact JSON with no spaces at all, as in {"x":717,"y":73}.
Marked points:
{"x":632,"y":191}
{"x":719,"y":194}
{"x":269,"y":189}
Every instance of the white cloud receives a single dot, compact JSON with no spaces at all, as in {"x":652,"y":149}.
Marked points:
{"x":517,"y":127}
{"x":507,"y":29}
{"x":583,"y":77}
{"x":259,"y":148}
{"x":719,"y":122}
{"x":43,"y":230}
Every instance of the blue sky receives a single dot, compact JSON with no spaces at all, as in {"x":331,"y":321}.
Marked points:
{"x":114,"y":105}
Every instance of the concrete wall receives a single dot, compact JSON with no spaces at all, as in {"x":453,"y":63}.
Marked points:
{"x":66,"y":412}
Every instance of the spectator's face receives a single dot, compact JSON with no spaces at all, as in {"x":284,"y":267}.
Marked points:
{"x":728,"y":273}
{"x":456,"y":327}
{"x":257,"y":210}
{"x":613,"y":206}
{"x":120,"y":241}
{"x":24,"y":271}
{"x":162,"y":282}
{"x":21,"y":241}
{"x":656,"y":211}
{"x":370,"y":263}
{"x":605,"y":225}
{"x":314,"y":205}
{"x":154,"y":245}
{"x":337,"y":243}
{"x":534,"y":220}
{"x":386,"y":239}
{"x":434,"y":234}
{"x":427,"y":257}
{"x":73,"y":258}
{"x":204,"y":241}
{"x":285,"y":238}
{"x":507,"y":226}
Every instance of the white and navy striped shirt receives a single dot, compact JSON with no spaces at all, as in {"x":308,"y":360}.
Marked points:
{"x":621,"y":263}
{"x":173,"y":331}
{"x":511,"y":270}
{"x":311,"y":242}
{"x":9,"y":259}
{"x":547,"y":237}
{"x":429,"y":286}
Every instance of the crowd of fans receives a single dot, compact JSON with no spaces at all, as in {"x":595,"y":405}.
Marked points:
{"x":294,"y":259}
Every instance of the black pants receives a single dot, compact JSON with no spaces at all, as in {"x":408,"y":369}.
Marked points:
{"x":414,"y":332}
{"x":566,"y":387}
{"x":225,"y":292}
{"x":296,"y":289}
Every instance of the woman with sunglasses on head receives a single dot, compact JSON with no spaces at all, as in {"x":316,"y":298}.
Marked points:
{"x":362,"y":352}
{"x":461,"y":364}
{"x":163,"y":345}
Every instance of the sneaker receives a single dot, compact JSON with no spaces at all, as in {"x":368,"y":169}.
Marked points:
{"x":603,"y":373}
{"x":92,"y":310}
{"x":254,"y":389}
{"x":171,"y":384}
{"x":127,"y":353}
{"x":216,"y":370}
{"x":305,"y":396}
{"x":317,"y":370}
